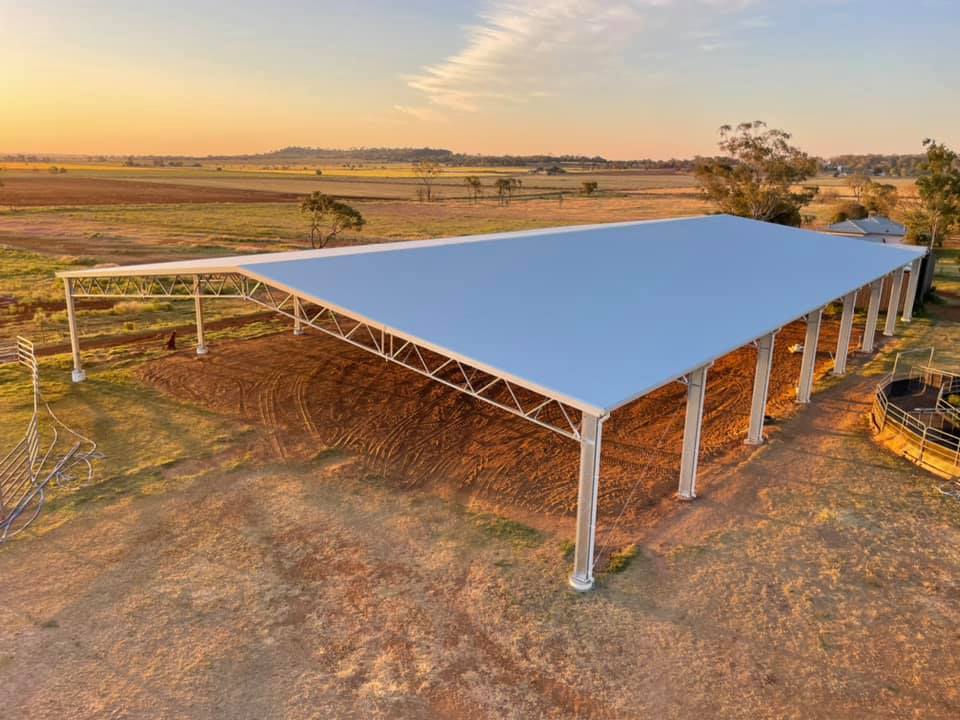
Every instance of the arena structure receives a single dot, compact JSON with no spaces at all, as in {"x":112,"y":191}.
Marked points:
{"x":560,"y":326}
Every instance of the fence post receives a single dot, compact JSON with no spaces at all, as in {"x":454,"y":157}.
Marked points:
{"x":923,"y":442}
{"x":884,"y":403}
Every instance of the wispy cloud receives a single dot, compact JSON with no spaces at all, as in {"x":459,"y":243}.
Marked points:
{"x":419,"y":112}
{"x":757,"y":22}
{"x":524,"y":49}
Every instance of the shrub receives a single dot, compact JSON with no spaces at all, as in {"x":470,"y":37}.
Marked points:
{"x":848,"y":211}
{"x":135,"y":307}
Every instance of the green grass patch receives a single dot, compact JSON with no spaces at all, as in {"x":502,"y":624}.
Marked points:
{"x":501,"y":528}
{"x":142,"y":434}
{"x":621,"y":559}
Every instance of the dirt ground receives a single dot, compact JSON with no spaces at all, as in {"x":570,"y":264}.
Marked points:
{"x":314,"y":389}
{"x":820,"y":578}
{"x":20,"y":191}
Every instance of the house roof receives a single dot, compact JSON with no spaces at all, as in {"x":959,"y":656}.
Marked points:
{"x":873,"y":225}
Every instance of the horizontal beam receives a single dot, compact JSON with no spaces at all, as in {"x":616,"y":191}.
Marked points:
{"x":159,"y":286}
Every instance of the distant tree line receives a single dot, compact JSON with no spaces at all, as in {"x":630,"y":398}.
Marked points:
{"x":872,"y":165}
{"x":875,"y":165}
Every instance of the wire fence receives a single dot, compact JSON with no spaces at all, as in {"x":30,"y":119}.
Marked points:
{"x":47,"y":453}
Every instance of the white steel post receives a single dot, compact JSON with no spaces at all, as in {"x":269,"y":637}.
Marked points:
{"x":911,"y":297}
{"x":761,"y":384}
{"x":198,"y":306}
{"x":809,"y":360}
{"x":693,"y":423}
{"x":297,"y":314}
{"x":591,"y":428}
{"x":893,"y":304}
{"x":846,"y":328}
{"x":78,"y":375}
{"x":873,"y":312}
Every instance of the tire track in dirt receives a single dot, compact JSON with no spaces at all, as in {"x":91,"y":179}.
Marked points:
{"x":410,"y":430}
{"x":267,"y":410}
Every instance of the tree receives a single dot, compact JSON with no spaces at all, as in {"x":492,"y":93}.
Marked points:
{"x":426,"y":172}
{"x":848,"y":211}
{"x":858,"y":184}
{"x":757,"y":173}
{"x":474,"y":186}
{"x":328,"y":217}
{"x":879,"y":198}
{"x":505,"y":188}
{"x":588,"y":187}
{"x":938,"y":188}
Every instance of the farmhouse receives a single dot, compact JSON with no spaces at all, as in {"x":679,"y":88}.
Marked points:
{"x":561,"y":326}
{"x":875,"y":228}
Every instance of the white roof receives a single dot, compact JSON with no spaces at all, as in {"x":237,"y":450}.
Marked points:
{"x":873,"y":225}
{"x":595,"y":316}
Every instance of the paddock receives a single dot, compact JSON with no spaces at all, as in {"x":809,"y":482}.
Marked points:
{"x":560,"y":327}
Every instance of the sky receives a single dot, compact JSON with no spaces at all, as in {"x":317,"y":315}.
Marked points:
{"x":618,"y":78}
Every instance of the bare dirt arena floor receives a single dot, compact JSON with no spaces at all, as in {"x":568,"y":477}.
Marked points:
{"x":310,"y":391}
{"x":817,"y":577}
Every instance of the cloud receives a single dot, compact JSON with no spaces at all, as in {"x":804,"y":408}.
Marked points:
{"x":524,"y":49}
{"x":420,"y":112}
{"x":757,"y":22}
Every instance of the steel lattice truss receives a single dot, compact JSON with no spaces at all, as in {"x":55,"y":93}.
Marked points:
{"x":157,"y":286}
{"x":503,"y":393}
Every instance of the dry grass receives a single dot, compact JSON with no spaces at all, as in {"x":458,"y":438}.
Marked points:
{"x":220,"y":583}
{"x":201,"y":577}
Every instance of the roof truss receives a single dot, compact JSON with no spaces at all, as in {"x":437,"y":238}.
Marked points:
{"x":501,"y":392}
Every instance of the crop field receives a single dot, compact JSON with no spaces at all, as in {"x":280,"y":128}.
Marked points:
{"x":291,"y":527}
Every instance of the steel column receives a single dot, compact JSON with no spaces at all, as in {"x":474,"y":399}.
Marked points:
{"x":911,"y":297}
{"x":78,"y":375}
{"x":809,"y":360}
{"x":873,"y":312}
{"x":846,"y":328}
{"x":297,"y":316}
{"x":893,"y":304}
{"x":198,"y":306}
{"x":696,"y":390}
{"x":761,"y":384}
{"x":591,"y":428}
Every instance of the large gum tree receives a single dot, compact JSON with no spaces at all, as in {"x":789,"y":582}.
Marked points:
{"x":757,"y":174}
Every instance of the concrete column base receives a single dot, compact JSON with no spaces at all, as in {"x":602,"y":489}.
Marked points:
{"x":201,"y":350}
{"x":580,"y":585}
{"x":78,"y":375}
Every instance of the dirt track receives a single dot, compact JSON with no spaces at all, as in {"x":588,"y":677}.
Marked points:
{"x":317,"y":391}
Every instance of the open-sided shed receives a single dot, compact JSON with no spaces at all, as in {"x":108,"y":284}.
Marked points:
{"x":560,"y":326}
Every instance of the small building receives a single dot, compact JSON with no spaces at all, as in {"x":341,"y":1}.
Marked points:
{"x":875,"y":228}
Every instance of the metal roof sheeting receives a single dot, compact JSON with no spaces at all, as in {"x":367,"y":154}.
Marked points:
{"x":874,"y":225}
{"x":595,"y":315}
